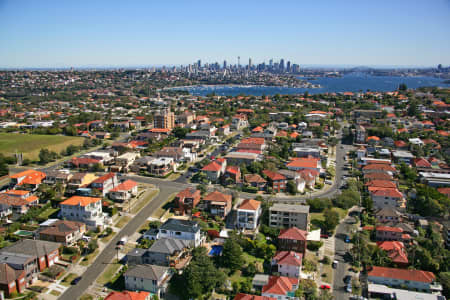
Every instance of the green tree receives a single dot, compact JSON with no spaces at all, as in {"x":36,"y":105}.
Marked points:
{"x":232,"y":255}
{"x":291,"y":187}
{"x":331,"y":219}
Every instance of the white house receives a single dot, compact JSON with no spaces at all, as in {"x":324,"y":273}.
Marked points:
{"x":84,"y":209}
{"x":248,"y":213}
{"x":177,"y":229}
{"x":124,"y":191}
{"x":289,"y":263}
{"x":149,"y":278}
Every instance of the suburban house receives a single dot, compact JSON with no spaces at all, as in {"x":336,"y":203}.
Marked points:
{"x":301,"y":163}
{"x":396,"y":251}
{"x":54,"y":177}
{"x":177,"y":229}
{"x":10,"y":204}
{"x":127,"y":295}
{"x":292,"y":239}
{"x":176,"y":153}
{"x":256,"y":181}
{"x":27,"y":180}
{"x":124,"y":191}
{"x":248,"y":213}
{"x":386,"y":233}
{"x":31,"y":256}
{"x":388,"y":214}
{"x":163,"y":252}
{"x":383,"y":197}
{"x":289,"y":215}
{"x":237,"y":158}
{"x":218,"y":204}
{"x":233,"y":173}
{"x":411,"y":279}
{"x":105,"y":183}
{"x":239,"y":122}
{"x":12,"y":281}
{"x":83,"y":209}
{"x":215,"y":169}
{"x":149,"y":278}
{"x":288,"y":263}
{"x":124,"y":161}
{"x":162,"y":166}
{"x":62,"y":231}
{"x":186,"y":200}
{"x":85,"y":163}
{"x":277,"y":181}
{"x":280,"y":287}
{"x":79,"y":180}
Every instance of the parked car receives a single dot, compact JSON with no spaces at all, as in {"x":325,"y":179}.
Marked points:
{"x":76,"y":280}
{"x":347,"y":239}
{"x":324,"y":236}
{"x":325,"y":287}
{"x":347,"y":279}
{"x":334,"y":264}
{"x":348,"y":288}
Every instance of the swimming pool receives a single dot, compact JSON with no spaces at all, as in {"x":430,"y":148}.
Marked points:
{"x":216,"y":250}
{"x":24,"y":233}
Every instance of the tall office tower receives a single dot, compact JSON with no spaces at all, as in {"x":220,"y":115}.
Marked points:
{"x":165,"y":119}
{"x":288,"y":66}
{"x":224,"y":64}
{"x":271,"y":63}
{"x":239,"y":61}
{"x":199,"y":64}
{"x":249,"y":63}
{"x":282,"y":65}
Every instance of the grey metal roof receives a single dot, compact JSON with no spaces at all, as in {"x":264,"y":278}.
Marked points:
{"x":15,"y":258}
{"x":169,"y":246}
{"x":290,"y":208}
{"x":147,"y":271}
{"x":180,"y":225}
{"x":137,"y":252}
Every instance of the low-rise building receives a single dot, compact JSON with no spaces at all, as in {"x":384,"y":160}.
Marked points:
{"x":411,"y":279}
{"x":177,"y":229}
{"x":280,"y":287}
{"x":218,"y":204}
{"x":288,"y":263}
{"x":162,"y":166}
{"x":62,"y":231}
{"x":186,"y":200}
{"x":127,"y":295}
{"x":248,"y":213}
{"x":292,"y":239}
{"x":105,"y":183}
{"x":84,"y":209}
{"x":289,"y":215}
{"x":277,"y":181}
{"x":256,"y":181}
{"x":124,"y":191}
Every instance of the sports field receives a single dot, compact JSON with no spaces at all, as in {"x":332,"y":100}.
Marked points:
{"x":31,"y":144}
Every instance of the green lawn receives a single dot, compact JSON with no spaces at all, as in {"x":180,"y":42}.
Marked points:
{"x":55,"y":293}
{"x":48,"y":212}
{"x":123,"y":221}
{"x":31,"y":144}
{"x":68,"y":279}
{"x":88,"y":259}
{"x":143,"y":202}
{"x":109,"y":273}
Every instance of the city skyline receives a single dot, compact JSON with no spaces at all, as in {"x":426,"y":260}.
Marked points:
{"x":50,"y":34}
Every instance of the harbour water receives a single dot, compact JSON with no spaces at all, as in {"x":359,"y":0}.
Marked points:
{"x":354,"y":82}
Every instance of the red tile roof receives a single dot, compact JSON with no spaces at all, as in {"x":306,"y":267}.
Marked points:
{"x":218,"y":196}
{"x":125,"y":186}
{"x":81,"y":201}
{"x":387,"y":228}
{"x":273,"y":175}
{"x":250,"y":204}
{"x":381,"y":183}
{"x":126,"y":295}
{"x":280,"y":285}
{"x":31,"y":177}
{"x":212,"y":166}
{"x":303,"y":163}
{"x":290,"y":258}
{"x":387,"y":192}
{"x":253,"y":140}
{"x":293,"y":233}
{"x":402,"y":274}
{"x":233,"y":170}
{"x":104,"y":178}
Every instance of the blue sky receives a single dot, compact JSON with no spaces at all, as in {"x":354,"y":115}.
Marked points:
{"x":130,"y":33}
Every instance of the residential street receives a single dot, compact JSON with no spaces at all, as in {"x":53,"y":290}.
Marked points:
{"x":104,"y":258}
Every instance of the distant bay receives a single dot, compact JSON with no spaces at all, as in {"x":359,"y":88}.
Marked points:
{"x":354,"y":82}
